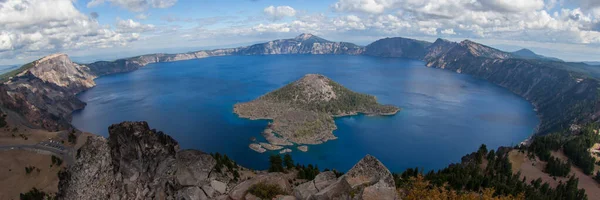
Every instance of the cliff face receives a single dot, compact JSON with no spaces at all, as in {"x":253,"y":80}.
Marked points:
{"x":561,"y":97}
{"x":44,"y":93}
{"x":136,"y":162}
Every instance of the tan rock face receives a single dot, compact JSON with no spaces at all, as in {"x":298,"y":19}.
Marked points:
{"x":60,"y":70}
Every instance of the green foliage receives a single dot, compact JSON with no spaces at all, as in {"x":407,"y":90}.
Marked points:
{"x":577,"y":149}
{"x":265,"y":191}
{"x":35,"y":194}
{"x":30,"y":169}
{"x":223,"y":161}
{"x":56,"y":161}
{"x":3,"y":120}
{"x":72,"y":138}
{"x":336,"y":172}
{"x":309,"y":172}
{"x":288,"y":161}
{"x":556,"y":167}
{"x":468,"y":176}
{"x":276,"y":164}
{"x":542,"y":145}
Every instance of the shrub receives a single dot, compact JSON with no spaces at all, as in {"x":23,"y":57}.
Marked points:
{"x":265,"y":191}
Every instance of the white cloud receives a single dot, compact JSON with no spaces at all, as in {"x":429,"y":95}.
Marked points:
{"x":448,"y":31}
{"x":130,"y":26}
{"x":37,"y":27}
{"x":134,"y":5}
{"x":279,"y":12}
{"x":141,"y":16}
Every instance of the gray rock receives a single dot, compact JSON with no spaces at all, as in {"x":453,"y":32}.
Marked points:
{"x":209,"y":191}
{"x":321,"y":181}
{"x":193,"y":167}
{"x":191,"y":193}
{"x":369,"y":171}
{"x":219,"y":186}
{"x":285,"y":197}
{"x":341,"y":189}
{"x":379,"y":191}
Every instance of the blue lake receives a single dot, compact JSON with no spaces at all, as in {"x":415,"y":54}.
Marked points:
{"x":444,"y":115}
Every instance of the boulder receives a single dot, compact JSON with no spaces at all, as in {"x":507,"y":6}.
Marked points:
{"x":369,"y":171}
{"x":191,"y":193}
{"x":219,"y":186}
{"x":193,"y":167}
{"x":380,"y":190}
{"x":209,"y":191}
{"x":321,"y":181}
{"x":341,"y":189}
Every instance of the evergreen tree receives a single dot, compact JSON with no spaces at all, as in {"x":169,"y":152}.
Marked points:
{"x":276,"y":163}
{"x":288,"y":162}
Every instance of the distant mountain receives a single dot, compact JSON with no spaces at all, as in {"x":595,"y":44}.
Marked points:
{"x":528,"y":54}
{"x":592,"y":63}
{"x":7,"y":68}
{"x":397,"y":47}
{"x":302,"y":44}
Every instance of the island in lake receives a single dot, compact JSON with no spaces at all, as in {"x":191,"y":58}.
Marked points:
{"x":303,"y":112}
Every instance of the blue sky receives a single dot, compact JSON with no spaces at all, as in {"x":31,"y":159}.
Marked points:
{"x":90,"y":30}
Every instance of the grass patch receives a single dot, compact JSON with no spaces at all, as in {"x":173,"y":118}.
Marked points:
{"x":266,"y":191}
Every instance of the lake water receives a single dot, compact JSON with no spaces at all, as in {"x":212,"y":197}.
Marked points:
{"x":444,"y":115}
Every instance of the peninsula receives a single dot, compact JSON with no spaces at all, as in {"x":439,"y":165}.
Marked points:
{"x":303,"y":111}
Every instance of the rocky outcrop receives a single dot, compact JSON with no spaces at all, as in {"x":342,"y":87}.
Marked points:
{"x":44,"y":91}
{"x":139,"y":163}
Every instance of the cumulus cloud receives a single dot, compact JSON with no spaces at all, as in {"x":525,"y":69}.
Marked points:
{"x":501,"y":19}
{"x":37,"y":27}
{"x":135,"y":5}
{"x":130,"y":26}
{"x":279,"y":12}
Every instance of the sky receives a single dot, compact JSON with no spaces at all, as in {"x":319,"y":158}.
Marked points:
{"x":90,"y":30}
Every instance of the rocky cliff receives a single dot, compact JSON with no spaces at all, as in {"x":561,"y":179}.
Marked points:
{"x":561,"y":96}
{"x":43,"y":91}
{"x":563,"y":93}
{"x":136,"y":162}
